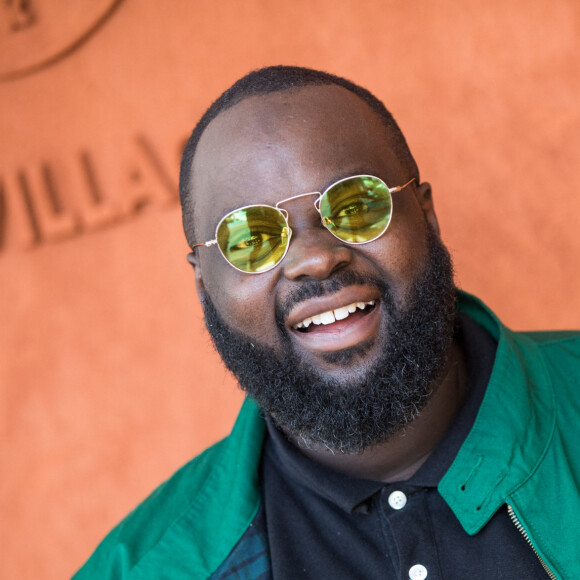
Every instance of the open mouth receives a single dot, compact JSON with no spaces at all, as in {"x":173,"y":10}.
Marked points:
{"x":329,"y":319}
{"x":337,"y":321}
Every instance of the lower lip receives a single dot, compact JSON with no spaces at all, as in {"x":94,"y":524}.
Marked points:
{"x":342,"y":334}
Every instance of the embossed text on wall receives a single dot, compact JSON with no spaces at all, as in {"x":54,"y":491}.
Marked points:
{"x":55,"y":199}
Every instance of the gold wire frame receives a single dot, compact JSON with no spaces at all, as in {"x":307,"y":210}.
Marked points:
{"x":284,"y":214}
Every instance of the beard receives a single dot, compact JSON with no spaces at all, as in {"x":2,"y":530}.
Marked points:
{"x":350,"y":415}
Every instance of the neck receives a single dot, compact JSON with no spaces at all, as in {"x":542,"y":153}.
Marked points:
{"x":400,"y":457}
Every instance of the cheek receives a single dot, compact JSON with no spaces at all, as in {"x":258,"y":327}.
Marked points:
{"x":411,"y":246}
{"x":244,"y":301}
{"x":403,"y":254}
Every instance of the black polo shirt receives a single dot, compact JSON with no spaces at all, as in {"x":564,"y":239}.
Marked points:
{"x":324,"y":524}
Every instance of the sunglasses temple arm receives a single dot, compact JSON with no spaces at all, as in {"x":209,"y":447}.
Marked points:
{"x":206,"y":244}
{"x":400,"y":187}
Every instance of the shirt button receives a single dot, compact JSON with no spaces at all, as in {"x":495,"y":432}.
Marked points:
{"x":417,"y":572}
{"x":397,"y":500}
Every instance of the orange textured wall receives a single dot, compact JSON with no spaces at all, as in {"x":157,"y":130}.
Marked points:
{"x":107,"y":380}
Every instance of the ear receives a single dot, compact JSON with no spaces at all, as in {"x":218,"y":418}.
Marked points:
{"x":425,"y":198}
{"x":193,"y":259}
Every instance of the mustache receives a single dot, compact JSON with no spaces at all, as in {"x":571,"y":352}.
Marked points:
{"x":317,"y":288}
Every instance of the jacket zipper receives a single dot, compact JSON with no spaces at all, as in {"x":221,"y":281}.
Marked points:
{"x":523,"y":532}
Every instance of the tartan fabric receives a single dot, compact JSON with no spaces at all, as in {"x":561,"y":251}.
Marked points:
{"x":250,"y":558}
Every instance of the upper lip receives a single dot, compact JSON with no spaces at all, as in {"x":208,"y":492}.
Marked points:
{"x":343,"y":297}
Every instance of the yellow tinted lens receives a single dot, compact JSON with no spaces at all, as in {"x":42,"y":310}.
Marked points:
{"x":357,"y":209}
{"x":253,"y":239}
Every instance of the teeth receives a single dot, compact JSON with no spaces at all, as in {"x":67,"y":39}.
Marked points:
{"x":332,"y":315}
{"x":342,"y":313}
{"x":327,"y":317}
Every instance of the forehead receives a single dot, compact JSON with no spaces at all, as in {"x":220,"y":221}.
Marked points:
{"x":273,"y":146}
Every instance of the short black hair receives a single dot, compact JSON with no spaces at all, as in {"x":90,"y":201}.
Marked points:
{"x":275,"y":79}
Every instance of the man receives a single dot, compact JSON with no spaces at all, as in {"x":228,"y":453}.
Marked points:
{"x":394,"y":428}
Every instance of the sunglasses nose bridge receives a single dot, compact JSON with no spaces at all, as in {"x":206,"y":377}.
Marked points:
{"x":298,"y":197}
{"x":285,"y":212}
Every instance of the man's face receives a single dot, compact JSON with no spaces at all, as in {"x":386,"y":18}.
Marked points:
{"x":269,"y":148}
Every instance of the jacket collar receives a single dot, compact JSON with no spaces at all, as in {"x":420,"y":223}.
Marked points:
{"x":512,"y":430}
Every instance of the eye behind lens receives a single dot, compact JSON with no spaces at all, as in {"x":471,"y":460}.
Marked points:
{"x":359,"y":209}
{"x":253,"y":239}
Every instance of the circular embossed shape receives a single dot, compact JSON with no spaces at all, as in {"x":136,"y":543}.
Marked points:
{"x":36,"y":34}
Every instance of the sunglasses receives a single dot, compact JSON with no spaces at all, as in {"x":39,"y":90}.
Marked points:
{"x":255,"y":238}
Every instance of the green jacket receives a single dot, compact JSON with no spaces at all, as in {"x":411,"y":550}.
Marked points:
{"x":523,"y":451}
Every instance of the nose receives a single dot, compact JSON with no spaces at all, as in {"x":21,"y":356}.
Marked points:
{"x":314,"y":253}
